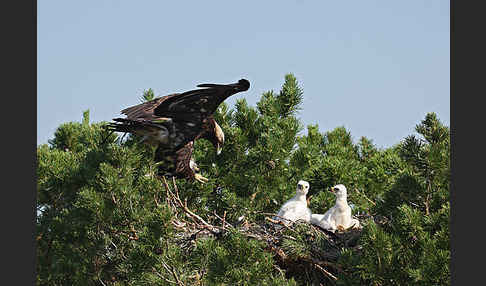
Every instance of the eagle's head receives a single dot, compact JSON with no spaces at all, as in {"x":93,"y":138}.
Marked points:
{"x":339,"y":190}
{"x":213,"y":133}
{"x":302,"y":187}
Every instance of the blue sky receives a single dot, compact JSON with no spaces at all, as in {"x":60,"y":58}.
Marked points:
{"x":374,"y":67}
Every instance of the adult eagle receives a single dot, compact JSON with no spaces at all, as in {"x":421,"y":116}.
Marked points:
{"x":174,"y":122}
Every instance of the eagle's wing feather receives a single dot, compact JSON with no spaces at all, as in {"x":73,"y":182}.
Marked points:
{"x":145,"y":110}
{"x":197,"y":104}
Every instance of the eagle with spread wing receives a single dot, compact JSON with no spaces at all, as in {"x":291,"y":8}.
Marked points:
{"x":174,"y":122}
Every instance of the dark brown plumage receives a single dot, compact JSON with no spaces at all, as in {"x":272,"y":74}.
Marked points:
{"x":174,"y":122}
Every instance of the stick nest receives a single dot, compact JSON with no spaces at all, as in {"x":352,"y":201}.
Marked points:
{"x":299,"y":248}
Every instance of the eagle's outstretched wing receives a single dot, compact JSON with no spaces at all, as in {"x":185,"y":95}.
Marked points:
{"x":197,"y":104}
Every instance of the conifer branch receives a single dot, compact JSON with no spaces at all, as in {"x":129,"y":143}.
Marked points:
{"x":162,"y":276}
{"x":184,"y":206}
{"x":171,"y":269}
{"x":327,"y":273}
{"x":364,"y":195}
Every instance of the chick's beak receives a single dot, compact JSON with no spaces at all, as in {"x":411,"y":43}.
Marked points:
{"x":218,"y":149}
{"x":331,"y":190}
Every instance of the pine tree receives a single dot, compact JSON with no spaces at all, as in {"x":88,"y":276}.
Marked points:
{"x":411,"y":246}
{"x":105,"y":218}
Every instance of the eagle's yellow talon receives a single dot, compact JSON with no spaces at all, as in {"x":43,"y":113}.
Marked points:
{"x":201,"y":179}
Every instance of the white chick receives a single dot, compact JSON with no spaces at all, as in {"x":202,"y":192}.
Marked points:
{"x":296,"y":208}
{"x":339,"y":216}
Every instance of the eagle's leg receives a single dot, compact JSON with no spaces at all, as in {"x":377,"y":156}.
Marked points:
{"x":200,"y":178}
